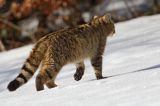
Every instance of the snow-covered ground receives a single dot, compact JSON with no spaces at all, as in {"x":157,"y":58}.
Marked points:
{"x":131,"y":63}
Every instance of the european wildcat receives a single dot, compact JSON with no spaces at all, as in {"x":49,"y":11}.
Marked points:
{"x":70,"y":45}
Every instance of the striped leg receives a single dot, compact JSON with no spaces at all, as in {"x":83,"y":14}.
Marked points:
{"x":97,"y":65}
{"x":79,"y":71}
{"x":46,"y":76}
{"x":96,"y":60}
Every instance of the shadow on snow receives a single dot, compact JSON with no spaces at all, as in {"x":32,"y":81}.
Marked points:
{"x":144,"y":69}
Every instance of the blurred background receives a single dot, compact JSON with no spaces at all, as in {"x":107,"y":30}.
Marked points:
{"x":23,"y":22}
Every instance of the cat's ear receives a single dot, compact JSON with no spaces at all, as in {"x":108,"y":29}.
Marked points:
{"x":107,"y":17}
{"x":95,"y":17}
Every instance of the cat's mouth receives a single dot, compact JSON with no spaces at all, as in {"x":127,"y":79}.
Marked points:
{"x":112,"y":33}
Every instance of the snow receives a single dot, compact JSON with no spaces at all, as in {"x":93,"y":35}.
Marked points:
{"x":131,"y":63}
{"x":120,"y":4}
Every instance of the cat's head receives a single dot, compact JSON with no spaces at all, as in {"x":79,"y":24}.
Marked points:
{"x":105,"y":22}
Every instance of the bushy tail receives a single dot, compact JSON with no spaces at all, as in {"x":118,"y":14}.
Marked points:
{"x":29,"y":68}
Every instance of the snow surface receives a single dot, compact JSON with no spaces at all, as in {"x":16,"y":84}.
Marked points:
{"x":131,"y":63}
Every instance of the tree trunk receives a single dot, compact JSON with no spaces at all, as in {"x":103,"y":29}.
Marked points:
{"x":2,"y":47}
{"x":129,"y":9}
{"x":155,"y":6}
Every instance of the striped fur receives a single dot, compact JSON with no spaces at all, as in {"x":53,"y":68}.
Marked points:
{"x":70,"y":45}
